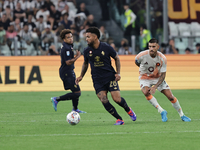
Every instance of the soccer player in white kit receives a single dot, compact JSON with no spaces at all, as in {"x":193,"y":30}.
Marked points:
{"x":153,"y":66}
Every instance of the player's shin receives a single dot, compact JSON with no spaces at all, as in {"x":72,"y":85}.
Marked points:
{"x":111,"y":109}
{"x":68,"y":96}
{"x":124,"y":104}
{"x":176,"y":105}
{"x":152,"y":100}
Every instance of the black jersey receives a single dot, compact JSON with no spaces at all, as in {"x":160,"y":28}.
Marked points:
{"x":100,"y":62}
{"x":66,"y":54}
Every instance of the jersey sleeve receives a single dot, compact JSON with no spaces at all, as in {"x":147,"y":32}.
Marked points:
{"x":112,"y":52}
{"x":164,"y":66}
{"x":138,"y":59}
{"x":85,"y":55}
{"x":66,"y":54}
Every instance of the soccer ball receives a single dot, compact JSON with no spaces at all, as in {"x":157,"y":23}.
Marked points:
{"x":73,"y":118}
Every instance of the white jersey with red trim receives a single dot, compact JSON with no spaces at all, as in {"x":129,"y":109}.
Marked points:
{"x":151,"y":68}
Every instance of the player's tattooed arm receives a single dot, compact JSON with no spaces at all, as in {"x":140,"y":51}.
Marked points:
{"x":83,"y":71}
{"x":161,"y":79}
{"x":84,"y":68}
{"x":117,"y":63}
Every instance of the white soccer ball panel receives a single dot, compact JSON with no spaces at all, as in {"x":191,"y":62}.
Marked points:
{"x":73,"y":118}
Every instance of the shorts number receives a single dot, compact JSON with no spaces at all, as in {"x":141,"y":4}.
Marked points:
{"x":113,"y":83}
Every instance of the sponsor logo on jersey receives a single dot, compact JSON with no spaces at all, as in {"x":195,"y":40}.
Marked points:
{"x":157,"y":64}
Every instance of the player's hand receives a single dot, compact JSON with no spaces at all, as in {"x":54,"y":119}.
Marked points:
{"x":78,"y":80}
{"x":152,"y":90}
{"x":117,"y":77}
{"x":78,"y":53}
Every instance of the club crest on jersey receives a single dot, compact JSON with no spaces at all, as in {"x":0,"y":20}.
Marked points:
{"x":103,"y":53}
{"x":157,"y":64}
{"x":90,"y":53}
{"x":67,"y":52}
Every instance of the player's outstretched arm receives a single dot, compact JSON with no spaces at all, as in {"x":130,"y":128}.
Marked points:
{"x":71,"y":61}
{"x":161,"y":79}
{"x":83,"y":71}
{"x":117,"y":64}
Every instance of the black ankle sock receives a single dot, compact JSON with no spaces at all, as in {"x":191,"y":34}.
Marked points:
{"x":68,"y":96}
{"x":111,"y":109}
{"x":75,"y":103}
{"x":124,"y":104}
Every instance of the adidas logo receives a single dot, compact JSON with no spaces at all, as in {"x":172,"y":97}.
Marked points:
{"x":146,"y":63}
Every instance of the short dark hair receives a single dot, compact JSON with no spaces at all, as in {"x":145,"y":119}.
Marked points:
{"x":64,"y":32}
{"x":94,"y":30}
{"x":198,"y":44}
{"x":188,"y":49}
{"x":153,"y":40}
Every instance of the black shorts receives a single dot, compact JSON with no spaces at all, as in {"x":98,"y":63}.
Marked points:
{"x":69,"y":83}
{"x":110,"y":86}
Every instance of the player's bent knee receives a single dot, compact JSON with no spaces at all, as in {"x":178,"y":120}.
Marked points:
{"x":77,"y":94}
{"x":103,"y":99}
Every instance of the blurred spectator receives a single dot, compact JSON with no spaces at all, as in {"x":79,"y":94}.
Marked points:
{"x":114,"y":47}
{"x":80,"y":19}
{"x":52,"y":50}
{"x":129,"y":23}
{"x":145,"y":36}
{"x":40,"y":24}
{"x":23,"y":4}
{"x":27,"y":39}
{"x":67,"y":23}
{"x":30,"y":7}
{"x":44,"y":12}
{"x":198,"y":47}
{"x":8,"y":12}
{"x":104,"y":9}
{"x":90,"y":21}
{"x":48,"y":4}
{"x":10,"y":35}
{"x":53,"y":23}
{"x":38,"y":4}
{"x":10,"y":3}
{"x":21,"y":47}
{"x":62,"y":6}
{"x":4,"y":50}
{"x":83,"y":31}
{"x":124,"y":49}
{"x":30,"y":22}
{"x":82,"y":9}
{"x":5,"y":21}
{"x":55,"y":13}
{"x":187,"y":51}
{"x":83,"y":43}
{"x":17,"y":25}
{"x":19,"y":12}
{"x":47,"y":40}
{"x":170,"y":48}
{"x":103,"y":34}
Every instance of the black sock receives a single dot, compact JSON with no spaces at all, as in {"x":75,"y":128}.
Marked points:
{"x":75,"y":103}
{"x":124,"y":104}
{"x":111,"y":109}
{"x":68,"y":96}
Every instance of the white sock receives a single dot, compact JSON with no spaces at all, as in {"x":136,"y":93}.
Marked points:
{"x":177,"y":106}
{"x":154,"y":102}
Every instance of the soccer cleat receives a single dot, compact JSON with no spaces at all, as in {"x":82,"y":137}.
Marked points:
{"x":79,"y":111}
{"x":119,"y":122}
{"x":164,"y":116}
{"x":185,"y":118}
{"x":132,"y":114}
{"x":54,"y":103}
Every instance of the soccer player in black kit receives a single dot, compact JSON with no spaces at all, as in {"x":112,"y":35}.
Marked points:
{"x":103,"y":74}
{"x":66,"y":72}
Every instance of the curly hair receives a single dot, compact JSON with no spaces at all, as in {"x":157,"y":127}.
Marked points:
{"x":64,"y":32}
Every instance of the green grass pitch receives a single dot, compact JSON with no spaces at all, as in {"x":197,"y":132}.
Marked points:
{"x":29,"y":122}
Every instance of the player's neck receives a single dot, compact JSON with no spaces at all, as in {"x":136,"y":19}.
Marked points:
{"x":96,"y":44}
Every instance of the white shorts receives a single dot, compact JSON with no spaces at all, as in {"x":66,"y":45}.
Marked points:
{"x":150,"y":83}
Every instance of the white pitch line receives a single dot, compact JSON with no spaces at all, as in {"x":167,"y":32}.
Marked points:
{"x":94,"y":134}
{"x":91,"y":120}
